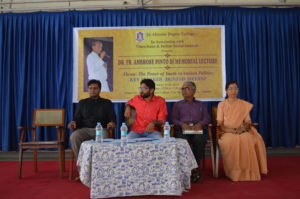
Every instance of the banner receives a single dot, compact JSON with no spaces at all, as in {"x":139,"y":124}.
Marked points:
{"x":120,"y":57}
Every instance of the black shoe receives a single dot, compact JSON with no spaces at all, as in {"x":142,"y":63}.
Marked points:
{"x":196,"y":176}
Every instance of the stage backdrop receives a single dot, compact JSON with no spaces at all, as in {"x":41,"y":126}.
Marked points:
{"x":170,"y":55}
{"x":262,"y":54}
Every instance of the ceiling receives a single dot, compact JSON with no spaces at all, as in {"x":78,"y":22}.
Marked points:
{"x":65,"y":5}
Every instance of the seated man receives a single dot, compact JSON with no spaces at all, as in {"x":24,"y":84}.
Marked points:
{"x":191,"y":114}
{"x":151,"y":112}
{"x":88,"y":112}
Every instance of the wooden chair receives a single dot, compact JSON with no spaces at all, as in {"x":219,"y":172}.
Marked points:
{"x":43,"y":118}
{"x":72,"y":157}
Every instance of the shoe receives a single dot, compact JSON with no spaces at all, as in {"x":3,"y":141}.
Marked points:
{"x":77,"y":179}
{"x":196,"y":176}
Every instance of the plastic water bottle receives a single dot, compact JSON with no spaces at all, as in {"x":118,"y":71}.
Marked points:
{"x":124,"y":130}
{"x":99,"y":132}
{"x":167,"y":132}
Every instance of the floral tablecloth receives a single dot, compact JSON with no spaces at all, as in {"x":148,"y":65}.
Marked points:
{"x":139,"y":168}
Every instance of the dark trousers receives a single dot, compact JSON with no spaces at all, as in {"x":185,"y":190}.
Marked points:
{"x":197,"y":143}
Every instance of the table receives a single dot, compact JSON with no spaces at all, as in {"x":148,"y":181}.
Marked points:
{"x":141,"y":168}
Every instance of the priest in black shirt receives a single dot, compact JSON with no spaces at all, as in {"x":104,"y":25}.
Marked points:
{"x":88,"y":112}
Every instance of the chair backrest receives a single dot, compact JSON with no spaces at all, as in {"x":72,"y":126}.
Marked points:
{"x":214,"y":110}
{"x":130,"y":120}
{"x":49,"y":117}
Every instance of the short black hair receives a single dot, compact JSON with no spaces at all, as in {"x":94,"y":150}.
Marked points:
{"x":94,"y":81}
{"x":149,"y":82}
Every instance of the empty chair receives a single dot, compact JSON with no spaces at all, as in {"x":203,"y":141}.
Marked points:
{"x":44,"y":118}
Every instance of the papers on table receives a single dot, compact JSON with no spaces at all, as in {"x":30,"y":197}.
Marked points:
{"x":118,"y":141}
{"x":193,"y":132}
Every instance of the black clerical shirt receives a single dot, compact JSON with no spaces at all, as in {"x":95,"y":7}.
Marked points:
{"x":90,"y":111}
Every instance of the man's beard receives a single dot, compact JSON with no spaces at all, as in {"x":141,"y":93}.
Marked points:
{"x":145,"y":95}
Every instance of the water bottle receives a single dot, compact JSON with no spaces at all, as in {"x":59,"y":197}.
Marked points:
{"x":124,"y":130}
{"x":167,"y":132}
{"x":99,"y":132}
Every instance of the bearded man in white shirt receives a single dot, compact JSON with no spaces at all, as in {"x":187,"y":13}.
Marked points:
{"x":97,"y":68}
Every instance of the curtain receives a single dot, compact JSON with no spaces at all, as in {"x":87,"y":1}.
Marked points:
{"x":262,"y":54}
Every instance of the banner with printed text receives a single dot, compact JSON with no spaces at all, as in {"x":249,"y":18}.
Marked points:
{"x":120,"y":57}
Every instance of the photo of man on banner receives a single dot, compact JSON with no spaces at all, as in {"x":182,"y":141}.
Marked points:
{"x":98,"y":62}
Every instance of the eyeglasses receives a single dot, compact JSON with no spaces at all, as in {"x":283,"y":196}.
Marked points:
{"x":142,"y":88}
{"x":186,"y":88}
{"x":231,"y":89}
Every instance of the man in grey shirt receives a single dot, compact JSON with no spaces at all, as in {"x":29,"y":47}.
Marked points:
{"x":191,"y":114}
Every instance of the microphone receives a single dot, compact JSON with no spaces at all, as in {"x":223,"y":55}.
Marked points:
{"x":105,"y":54}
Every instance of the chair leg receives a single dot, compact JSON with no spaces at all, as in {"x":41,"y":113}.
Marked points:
{"x":61,"y":164}
{"x":71,"y":165}
{"x":20,"y":162}
{"x":203,"y":161}
{"x":217,"y":163}
{"x":212,"y":154}
{"x":63,"y":159}
{"x":35,"y":160}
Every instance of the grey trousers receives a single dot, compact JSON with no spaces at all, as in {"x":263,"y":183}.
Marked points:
{"x":81,"y":135}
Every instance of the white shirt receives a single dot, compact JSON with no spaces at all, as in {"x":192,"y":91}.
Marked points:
{"x":97,"y":70}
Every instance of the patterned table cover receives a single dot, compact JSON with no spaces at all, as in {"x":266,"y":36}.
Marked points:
{"x":141,"y":168}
